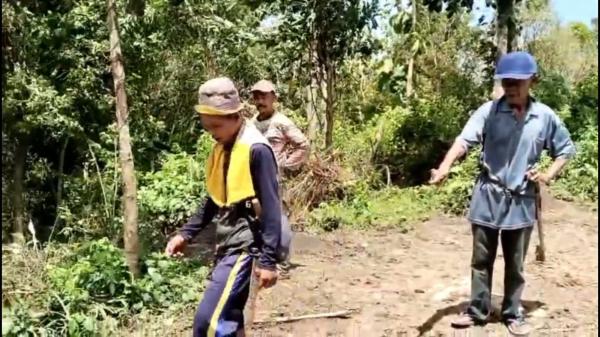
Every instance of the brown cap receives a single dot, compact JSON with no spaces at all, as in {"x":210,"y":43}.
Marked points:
{"x":264,"y":86}
{"x":218,"y":96}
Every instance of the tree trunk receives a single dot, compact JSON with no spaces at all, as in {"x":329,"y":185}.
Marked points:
{"x":520,"y":38}
{"x":501,"y":45}
{"x":511,"y":26}
{"x":329,"y":107}
{"x":59,"y":183}
{"x":409,"y":76}
{"x":315,"y":96}
{"x":130,"y":210}
{"x":411,"y":61}
{"x":18,"y":230}
{"x":311,"y":112}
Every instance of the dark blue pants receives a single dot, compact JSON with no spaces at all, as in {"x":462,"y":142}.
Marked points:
{"x":221,"y":311}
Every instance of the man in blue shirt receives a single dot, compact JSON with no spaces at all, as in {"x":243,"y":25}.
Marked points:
{"x":513,"y":130}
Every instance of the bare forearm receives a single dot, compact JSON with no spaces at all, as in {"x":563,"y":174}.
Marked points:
{"x":296,"y":159}
{"x":456,"y":151}
{"x":556,"y":167}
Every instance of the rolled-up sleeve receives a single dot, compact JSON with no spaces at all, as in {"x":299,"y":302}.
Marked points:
{"x":559,"y":143}
{"x":299,"y":145}
{"x":472,"y":133}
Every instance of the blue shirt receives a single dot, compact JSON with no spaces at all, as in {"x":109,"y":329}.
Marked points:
{"x":503,"y":198}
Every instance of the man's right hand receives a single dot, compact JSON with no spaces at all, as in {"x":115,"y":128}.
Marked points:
{"x":438,"y":175}
{"x":176,"y":246}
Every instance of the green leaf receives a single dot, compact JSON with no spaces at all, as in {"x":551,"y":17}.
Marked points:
{"x":88,"y":324}
{"x":7,"y":325}
{"x":73,"y":327}
{"x":415,"y":46}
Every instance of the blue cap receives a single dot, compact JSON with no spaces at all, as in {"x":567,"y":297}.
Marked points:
{"x":517,"y":65}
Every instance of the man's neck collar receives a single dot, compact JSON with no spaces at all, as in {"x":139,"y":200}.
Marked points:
{"x":229,"y":145}
{"x":506,"y":107}
{"x":264,"y":117}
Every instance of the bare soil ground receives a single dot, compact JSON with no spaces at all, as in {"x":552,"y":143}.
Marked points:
{"x":413,"y":284}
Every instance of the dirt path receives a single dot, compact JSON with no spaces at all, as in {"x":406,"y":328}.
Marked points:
{"x":412,"y":284}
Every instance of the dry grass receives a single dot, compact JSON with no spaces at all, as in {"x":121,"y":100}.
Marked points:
{"x":23,"y":274}
{"x":321,"y":179}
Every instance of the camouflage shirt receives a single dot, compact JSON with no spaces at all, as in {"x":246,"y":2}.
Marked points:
{"x":289,"y":144}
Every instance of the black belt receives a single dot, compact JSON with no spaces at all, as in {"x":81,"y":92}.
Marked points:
{"x":240,"y":208}
{"x":507,"y":191}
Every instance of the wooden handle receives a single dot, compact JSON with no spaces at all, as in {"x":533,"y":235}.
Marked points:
{"x":540,"y":250}
{"x":257,"y":207}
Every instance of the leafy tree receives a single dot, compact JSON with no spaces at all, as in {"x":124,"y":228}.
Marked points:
{"x":324,"y":34}
{"x":582,"y":32}
{"x":41,"y":90}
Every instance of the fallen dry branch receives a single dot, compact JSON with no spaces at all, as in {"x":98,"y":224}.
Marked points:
{"x":320,"y":180}
{"x":289,"y":319}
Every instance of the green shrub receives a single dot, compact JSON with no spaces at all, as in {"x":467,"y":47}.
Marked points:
{"x":97,"y":272}
{"x":584,"y":107}
{"x":19,"y":321}
{"x":580,"y":178}
{"x":167,"y":197}
{"x":389,"y":207}
{"x":91,"y":289}
{"x":417,"y":139}
{"x":553,"y":90}
{"x":454,"y":195}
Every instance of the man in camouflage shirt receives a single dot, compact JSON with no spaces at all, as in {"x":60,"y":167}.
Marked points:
{"x":290,"y":145}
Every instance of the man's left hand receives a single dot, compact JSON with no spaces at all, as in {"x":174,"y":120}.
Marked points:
{"x":266,"y":278}
{"x":538,"y":177}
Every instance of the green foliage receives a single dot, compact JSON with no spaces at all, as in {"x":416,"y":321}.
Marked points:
{"x":19,"y":321}
{"x":451,"y":6}
{"x":51,"y":97}
{"x":584,"y":106}
{"x":560,"y":50}
{"x":367,"y":208}
{"x":382,"y":139}
{"x":579,"y":181}
{"x":32,"y":103}
{"x":168,"y":196}
{"x":92,"y":288}
{"x":454,"y":196}
{"x":420,"y":138}
{"x":90,"y":207}
{"x":553,"y":90}
{"x":96,"y":271}
{"x":582,"y":32}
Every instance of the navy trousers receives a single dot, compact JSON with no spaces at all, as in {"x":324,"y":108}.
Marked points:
{"x":221,"y":311}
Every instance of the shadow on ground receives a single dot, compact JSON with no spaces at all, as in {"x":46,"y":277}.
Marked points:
{"x":528,"y":306}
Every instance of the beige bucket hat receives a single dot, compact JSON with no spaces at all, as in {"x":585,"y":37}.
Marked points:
{"x":264,"y":86}
{"x":219,"y":97}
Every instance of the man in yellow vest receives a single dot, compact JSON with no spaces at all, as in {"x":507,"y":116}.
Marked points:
{"x":241,"y":173}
